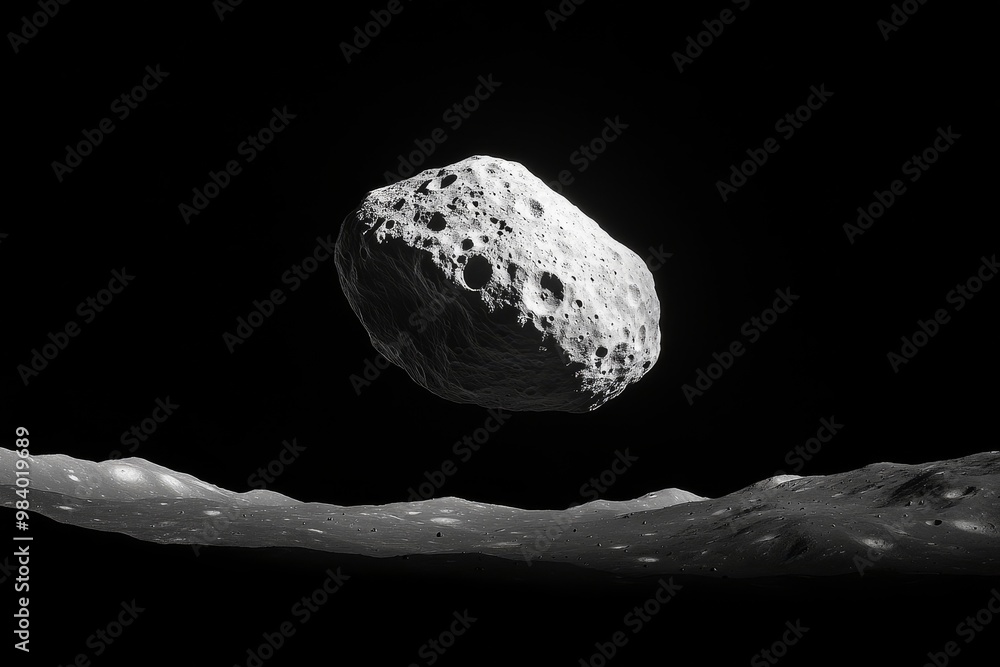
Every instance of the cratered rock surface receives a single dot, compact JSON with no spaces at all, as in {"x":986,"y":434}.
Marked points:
{"x":888,"y":519}
{"x":490,"y":288}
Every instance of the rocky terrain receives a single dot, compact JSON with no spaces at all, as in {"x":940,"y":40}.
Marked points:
{"x":937,"y":517}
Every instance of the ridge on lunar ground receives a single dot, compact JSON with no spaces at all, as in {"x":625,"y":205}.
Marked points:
{"x":937,"y":517}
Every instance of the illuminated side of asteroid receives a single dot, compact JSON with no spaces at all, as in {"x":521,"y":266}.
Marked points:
{"x":488,"y":287}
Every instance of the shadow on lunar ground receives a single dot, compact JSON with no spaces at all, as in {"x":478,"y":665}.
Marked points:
{"x":934,"y":518}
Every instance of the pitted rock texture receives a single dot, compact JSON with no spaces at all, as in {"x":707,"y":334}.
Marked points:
{"x":490,"y":288}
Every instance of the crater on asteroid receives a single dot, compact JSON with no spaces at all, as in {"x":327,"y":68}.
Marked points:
{"x":490,"y":288}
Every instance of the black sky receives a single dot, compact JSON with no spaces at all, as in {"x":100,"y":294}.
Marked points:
{"x":654,"y":187}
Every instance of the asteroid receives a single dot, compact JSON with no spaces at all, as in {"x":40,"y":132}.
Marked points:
{"x":487,"y":287}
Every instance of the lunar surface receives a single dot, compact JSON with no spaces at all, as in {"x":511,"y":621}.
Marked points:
{"x":490,"y":288}
{"x":939,"y":517}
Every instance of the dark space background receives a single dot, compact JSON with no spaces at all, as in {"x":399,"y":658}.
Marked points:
{"x":655,"y":186}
